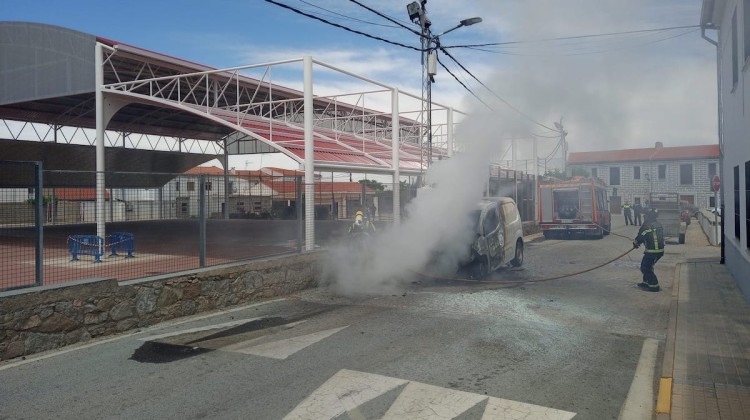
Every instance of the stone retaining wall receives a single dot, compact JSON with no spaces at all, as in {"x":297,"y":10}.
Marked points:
{"x":44,"y":318}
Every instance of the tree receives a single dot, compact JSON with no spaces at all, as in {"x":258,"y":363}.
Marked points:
{"x":580,"y":172}
{"x":557,"y":173}
{"x":375,"y":185}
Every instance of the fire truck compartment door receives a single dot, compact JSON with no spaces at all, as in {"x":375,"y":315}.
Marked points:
{"x":546,"y":200}
{"x":585,"y":195}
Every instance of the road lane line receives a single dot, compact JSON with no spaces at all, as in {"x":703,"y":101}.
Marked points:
{"x":282,"y":349}
{"x":199,"y":329}
{"x":639,"y":404}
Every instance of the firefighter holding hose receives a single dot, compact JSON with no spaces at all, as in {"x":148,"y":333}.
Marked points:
{"x":651,"y":234}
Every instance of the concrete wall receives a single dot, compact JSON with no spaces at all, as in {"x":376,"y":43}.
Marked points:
{"x":711,"y":226}
{"x":44,"y":318}
{"x":735,"y":124}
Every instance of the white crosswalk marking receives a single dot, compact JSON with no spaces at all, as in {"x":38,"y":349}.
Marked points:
{"x":347,"y":391}
{"x":282,"y":349}
{"x":501,"y":409}
{"x":422,"y":401}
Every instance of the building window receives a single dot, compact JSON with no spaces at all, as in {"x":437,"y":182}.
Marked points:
{"x":208,"y":185}
{"x":712,"y":169}
{"x":637,"y":200}
{"x":711,"y":201}
{"x":191,"y":185}
{"x":736,"y":202}
{"x":686,"y":174}
{"x":595,"y":172}
{"x":230,"y":187}
{"x":735,"y":48}
{"x":747,"y":204}
{"x":177,"y":186}
{"x":662,"y":171}
{"x":636,"y":172}
{"x":614,"y":176}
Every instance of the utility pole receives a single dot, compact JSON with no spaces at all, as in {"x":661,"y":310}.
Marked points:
{"x":563,"y":145}
{"x":417,"y":11}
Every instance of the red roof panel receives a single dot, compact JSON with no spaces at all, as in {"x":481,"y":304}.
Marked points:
{"x":661,"y":153}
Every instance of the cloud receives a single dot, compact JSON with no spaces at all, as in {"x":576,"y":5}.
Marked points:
{"x":639,"y":92}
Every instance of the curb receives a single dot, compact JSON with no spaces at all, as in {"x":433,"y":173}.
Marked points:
{"x":664,"y":400}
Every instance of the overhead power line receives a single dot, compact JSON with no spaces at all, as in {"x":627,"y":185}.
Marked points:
{"x":464,"y":86}
{"x":492,"y":44}
{"x":343,"y":16}
{"x":390,"y":19}
{"x":511,"y":106}
{"x":300,"y":12}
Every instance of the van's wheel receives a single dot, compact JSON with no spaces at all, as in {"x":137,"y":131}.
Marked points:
{"x":517,"y":261}
{"x":482,"y":269}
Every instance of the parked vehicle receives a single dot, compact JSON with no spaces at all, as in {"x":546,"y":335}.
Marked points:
{"x":575,"y":207}
{"x":670,"y":214}
{"x":499,"y":237}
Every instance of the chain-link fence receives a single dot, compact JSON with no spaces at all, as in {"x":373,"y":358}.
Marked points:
{"x":160,"y":223}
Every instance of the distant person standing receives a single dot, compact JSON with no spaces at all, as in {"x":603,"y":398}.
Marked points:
{"x":651,"y":234}
{"x":637,"y":210}
{"x":626,"y":209}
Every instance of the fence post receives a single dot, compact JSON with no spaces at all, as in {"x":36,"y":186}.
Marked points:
{"x":39,"y":225}
{"x":300,"y":226}
{"x":202,"y":221}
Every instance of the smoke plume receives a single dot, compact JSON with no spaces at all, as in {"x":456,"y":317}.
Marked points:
{"x":437,"y":230}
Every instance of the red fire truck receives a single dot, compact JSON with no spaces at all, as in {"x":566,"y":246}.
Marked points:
{"x":575,"y":207}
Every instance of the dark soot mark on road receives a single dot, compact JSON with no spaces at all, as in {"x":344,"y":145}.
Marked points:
{"x":155,"y":352}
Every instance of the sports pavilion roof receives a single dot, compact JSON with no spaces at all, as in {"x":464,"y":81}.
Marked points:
{"x":48,"y":76}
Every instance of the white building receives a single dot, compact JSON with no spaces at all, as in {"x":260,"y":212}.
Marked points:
{"x":731,"y":18}
{"x":634,"y":174}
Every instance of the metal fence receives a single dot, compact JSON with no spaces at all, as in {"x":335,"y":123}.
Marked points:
{"x":160,"y":223}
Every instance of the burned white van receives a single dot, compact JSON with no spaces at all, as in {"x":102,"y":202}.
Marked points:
{"x":499,"y":237}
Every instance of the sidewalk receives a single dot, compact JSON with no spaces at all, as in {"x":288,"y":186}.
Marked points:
{"x":708,"y":341}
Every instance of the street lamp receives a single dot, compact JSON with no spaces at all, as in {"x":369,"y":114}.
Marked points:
{"x":418,"y":14}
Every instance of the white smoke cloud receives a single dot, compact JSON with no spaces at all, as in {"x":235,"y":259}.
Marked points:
{"x":438,"y":231}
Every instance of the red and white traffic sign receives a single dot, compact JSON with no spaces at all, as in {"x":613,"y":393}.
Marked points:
{"x":716,"y":183}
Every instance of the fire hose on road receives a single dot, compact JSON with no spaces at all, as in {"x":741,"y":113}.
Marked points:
{"x":511,"y":282}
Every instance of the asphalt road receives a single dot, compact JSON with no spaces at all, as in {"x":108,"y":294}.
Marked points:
{"x":437,"y":349}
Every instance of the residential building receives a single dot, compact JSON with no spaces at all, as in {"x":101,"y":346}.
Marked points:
{"x":634,"y":174}
{"x":268,"y":192}
{"x":731,"y":18}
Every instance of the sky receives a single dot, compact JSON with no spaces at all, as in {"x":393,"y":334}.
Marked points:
{"x":611,"y":92}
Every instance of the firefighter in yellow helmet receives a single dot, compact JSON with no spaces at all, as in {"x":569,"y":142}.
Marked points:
{"x":361,"y":224}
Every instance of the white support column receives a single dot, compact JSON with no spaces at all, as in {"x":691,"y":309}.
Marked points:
{"x":395,"y":143}
{"x":100,"y":125}
{"x":450,"y":132}
{"x":515,"y":169}
{"x":309,"y":155}
{"x":536,"y":181}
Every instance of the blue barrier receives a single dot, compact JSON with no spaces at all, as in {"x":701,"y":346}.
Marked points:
{"x":86,"y":245}
{"x":122,"y":241}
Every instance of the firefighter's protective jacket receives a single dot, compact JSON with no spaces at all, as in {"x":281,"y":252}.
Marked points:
{"x":651,"y":234}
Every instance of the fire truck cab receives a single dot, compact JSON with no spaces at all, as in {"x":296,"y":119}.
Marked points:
{"x":575,"y":207}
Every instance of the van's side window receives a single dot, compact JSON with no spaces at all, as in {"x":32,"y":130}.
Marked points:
{"x":509,"y":211}
{"x":491,"y":221}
